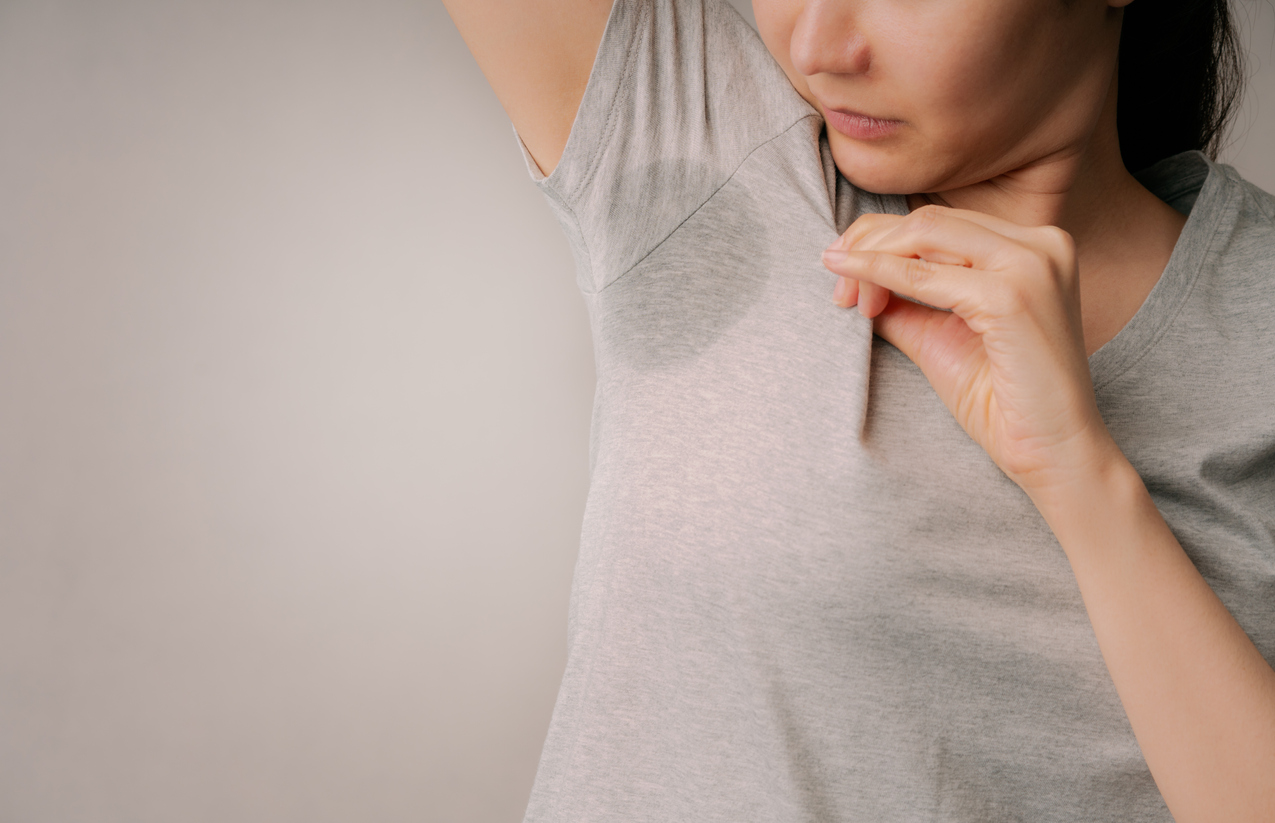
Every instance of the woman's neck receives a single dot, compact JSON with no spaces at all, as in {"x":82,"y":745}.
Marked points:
{"x":1124,"y":234}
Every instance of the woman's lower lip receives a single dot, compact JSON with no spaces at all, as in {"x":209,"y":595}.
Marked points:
{"x":859,"y":126}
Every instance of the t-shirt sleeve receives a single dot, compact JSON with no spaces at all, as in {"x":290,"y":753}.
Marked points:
{"x":680,"y":93}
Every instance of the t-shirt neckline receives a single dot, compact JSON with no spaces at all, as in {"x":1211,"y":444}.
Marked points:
{"x":1195,"y":186}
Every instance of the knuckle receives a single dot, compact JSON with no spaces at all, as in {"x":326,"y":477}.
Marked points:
{"x":876,"y":265}
{"x":925,"y":218}
{"x":867,"y":222}
{"x":1042,"y":262}
{"x":1060,"y":238}
{"x":1061,"y":245}
{"x":1034,"y":265}
{"x":862,"y":227}
{"x":916,"y":272}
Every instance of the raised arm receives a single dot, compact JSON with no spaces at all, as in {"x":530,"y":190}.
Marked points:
{"x":537,"y":55}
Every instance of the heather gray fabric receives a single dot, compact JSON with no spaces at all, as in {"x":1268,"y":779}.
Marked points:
{"x":803,"y":593}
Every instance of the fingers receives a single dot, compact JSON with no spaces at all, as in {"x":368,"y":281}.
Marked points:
{"x":960,"y":237}
{"x":877,"y":224}
{"x":866,"y":232}
{"x":904,"y":325}
{"x":941,"y":238}
{"x":866,"y":227}
{"x":870,"y":298}
{"x":938,"y":284}
{"x":954,"y":259}
{"x":846,"y":293}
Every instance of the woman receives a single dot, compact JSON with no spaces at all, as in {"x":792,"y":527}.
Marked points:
{"x":1014,"y":561}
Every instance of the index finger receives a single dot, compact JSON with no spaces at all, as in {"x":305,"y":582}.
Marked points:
{"x":875,"y":225}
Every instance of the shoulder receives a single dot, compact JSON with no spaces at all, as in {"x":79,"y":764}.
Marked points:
{"x":673,"y":78}
{"x":1249,"y":229}
{"x":1228,"y":213}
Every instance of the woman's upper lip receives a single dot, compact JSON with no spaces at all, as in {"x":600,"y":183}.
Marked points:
{"x":853,"y":113}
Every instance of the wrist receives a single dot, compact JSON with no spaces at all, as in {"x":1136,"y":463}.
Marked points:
{"x":1100,"y":483}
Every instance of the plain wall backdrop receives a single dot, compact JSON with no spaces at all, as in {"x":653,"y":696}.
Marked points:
{"x":295,"y":388}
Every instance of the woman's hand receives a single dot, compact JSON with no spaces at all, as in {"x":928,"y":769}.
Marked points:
{"x":1008,"y":359}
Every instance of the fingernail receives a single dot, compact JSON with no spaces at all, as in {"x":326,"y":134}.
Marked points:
{"x":839,"y":293}
{"x":831,"y":257}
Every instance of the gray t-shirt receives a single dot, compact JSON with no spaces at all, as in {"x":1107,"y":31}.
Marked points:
{"x":803,"y":593}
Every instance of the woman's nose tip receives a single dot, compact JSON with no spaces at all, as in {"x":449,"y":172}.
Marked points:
{"x":827,"y":43}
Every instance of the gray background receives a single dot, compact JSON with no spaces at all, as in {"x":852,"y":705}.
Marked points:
{"x":294,"y":399}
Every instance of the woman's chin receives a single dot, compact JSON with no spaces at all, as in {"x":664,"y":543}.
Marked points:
{"x":882,"y":168}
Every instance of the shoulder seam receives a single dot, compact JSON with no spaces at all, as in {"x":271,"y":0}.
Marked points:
{"x":601,"y":145}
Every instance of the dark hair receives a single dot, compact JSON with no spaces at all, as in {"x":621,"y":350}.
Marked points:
{"x":1180,"y":77}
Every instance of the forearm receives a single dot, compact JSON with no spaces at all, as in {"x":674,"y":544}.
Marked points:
{"x":1198,"y":693}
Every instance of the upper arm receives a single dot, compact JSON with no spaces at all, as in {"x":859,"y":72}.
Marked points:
{"x":537,"y":55}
